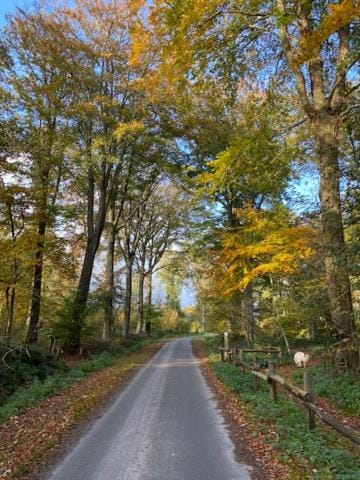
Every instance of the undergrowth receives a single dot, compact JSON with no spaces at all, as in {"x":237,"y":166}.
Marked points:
{"x":343,"y":389}
{"x":37,"y":389}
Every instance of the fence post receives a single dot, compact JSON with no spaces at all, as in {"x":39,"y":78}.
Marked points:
{"x":226,"y":346}
{"x":308,"y":387}
{"x":272,"y":384}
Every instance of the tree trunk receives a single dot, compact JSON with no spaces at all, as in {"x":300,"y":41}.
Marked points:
{"x":108,"y":326}
{"x":149,"y":305}
{"x":202,"y":329}
{"x":94,"y":233}
{"x":140,"y":312}
{"x":127,"y":300}
{"x":32,"y":333}
{"x":42,"y":211}
{"x":248,"y":313}
{"x":80,"y":301}
{"x":10,"y":308}
{"x":326,"y":128}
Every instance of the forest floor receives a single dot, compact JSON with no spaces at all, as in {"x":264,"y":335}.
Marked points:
{"x":31,"y":440}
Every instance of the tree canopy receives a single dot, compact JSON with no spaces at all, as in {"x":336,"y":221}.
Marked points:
{"x":158,"y":143}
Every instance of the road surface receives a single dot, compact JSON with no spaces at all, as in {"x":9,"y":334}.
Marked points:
{"x":163,"y":426}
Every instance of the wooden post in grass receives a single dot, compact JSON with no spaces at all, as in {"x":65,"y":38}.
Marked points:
{"x":272,"y":384}
{"x":308,"y":387}
{"x":226,"y":346}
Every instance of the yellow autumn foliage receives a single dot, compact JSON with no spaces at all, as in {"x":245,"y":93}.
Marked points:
{"x":129,"y":129}
{"x":265,"y":244}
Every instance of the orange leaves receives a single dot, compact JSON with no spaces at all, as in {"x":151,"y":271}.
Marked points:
{"x":266,"y":243}
{"x":140,"y":44}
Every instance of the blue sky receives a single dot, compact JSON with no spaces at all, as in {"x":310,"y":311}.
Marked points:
{"x":6,"y":6}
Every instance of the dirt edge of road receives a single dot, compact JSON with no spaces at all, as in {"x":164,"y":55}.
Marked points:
{"x":37,"y":438}
{"x":249,"y":448}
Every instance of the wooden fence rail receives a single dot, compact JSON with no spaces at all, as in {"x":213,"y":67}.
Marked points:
{"x":305,"y":396}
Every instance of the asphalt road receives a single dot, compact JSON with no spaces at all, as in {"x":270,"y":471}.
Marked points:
{"x":163,"y":426}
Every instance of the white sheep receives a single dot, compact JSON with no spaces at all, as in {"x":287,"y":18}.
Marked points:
{"x":301,"y":359}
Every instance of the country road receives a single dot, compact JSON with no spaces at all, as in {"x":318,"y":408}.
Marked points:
{"x":163,"y":426}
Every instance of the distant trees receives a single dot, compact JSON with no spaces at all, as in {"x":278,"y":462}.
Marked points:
{"x":166,"y":213}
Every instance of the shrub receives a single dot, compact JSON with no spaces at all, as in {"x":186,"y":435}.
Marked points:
{"x":20,"y":366}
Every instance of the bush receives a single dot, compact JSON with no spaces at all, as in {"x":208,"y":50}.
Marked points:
{"x":22,"y":365}
{"x":62,"y":378}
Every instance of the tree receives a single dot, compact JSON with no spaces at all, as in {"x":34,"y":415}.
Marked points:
{"x":40,"y":89}
{"x":96,"y":61}
{"x":253,"y":170}
{"x":164,"y":218}
{"x":309,"y":45}
{"x":130,"y":233}
{"x":12,"y":224}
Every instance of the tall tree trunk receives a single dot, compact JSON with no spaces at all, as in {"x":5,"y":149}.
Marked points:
{"x":140,"y":310}
{"x":32,"y":333}
{"x":10,"y":310}
{"x":94,"y":233}
{"x":149,"y":306}
{"x":248,"y":313}
{"x":80,"y":301}
{"x":326,"y":128}
{"x":127,"y":300}
{"x":33,"y":326}
{"x":324,"y":113}
{"x":109,"y":286}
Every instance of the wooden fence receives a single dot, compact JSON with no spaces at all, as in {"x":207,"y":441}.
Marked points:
{"x":305,"y":396}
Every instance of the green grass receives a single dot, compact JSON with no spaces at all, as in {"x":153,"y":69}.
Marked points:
{"x":330,"y":456}
{"x":342,"y":388}
{"x":37,"y":390}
